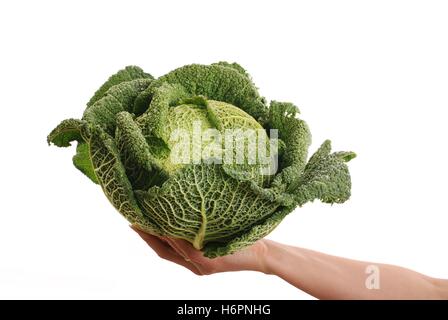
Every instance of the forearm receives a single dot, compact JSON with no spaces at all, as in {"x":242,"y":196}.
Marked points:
{"x":329,"y":277}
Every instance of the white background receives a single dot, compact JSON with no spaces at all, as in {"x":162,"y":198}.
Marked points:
{"x":370,"y":75}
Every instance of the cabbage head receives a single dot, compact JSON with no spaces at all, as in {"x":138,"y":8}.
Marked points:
{"x":159,"y":150}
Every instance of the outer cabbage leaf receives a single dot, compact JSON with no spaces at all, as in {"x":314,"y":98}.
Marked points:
{"x":297,"y":138}
{"x":142,"y":168}
{"x":255,"y":233}
{"x":127,"y":74}
{"x":201,"y":203}
{"x":67,"y":131}
{"x":326,"y":177}
{"x":74,"y":130}
{"x":219,"y":82}
{"x":118,"y":98}
{"x":113,"y":180}
{"x":83,"y":162}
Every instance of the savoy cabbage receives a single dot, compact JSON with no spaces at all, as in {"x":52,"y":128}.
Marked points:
{"x":126,"y":145}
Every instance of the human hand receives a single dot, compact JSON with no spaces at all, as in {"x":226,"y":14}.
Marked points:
{"x":182,"y":252}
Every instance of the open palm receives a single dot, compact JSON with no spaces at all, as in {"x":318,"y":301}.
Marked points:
{"x":181,"y":252}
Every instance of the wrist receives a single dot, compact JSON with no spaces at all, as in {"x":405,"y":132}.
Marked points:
{"x":278,"y":257}
{"x":265,"y":258}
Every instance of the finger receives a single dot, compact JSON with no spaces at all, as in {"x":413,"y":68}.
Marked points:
{"x":173,"y":245}
{"x":146,"y":236}
{"x":164,"y":250}
{"x":182,"y":253}
{"x":188,"y":250}
{"x":170,"y":255}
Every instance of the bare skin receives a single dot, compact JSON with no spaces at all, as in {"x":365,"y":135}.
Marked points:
{"x":322,"y":276}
